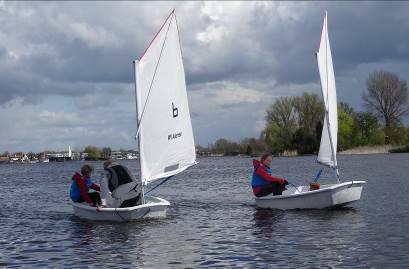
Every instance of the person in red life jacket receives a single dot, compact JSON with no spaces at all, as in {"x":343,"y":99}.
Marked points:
{"x":263,"y":183}
{"x":80,"y":186}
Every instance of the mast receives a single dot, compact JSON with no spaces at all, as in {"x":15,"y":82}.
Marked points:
{"x":139,"y":134}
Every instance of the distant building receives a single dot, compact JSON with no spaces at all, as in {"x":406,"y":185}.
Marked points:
{"x":60,"y":157}
{"x":131,"y":156}
{"x":116,"y":155}
{"x":19,"y":157}
{"x":4,"y":159}
{"x":76,"y":156}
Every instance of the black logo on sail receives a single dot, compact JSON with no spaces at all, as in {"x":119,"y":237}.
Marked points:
{"x":174,"y":136}
{"x":175,"y":111}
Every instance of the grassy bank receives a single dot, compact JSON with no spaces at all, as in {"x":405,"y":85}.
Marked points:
{"x":378,"y":149}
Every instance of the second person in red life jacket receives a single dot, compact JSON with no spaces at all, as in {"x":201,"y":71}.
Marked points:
{"x":81,"y":185}
{"x":263,"y":183}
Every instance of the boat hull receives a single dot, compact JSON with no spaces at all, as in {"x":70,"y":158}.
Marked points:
{"x":153,"y":208}
{"x":328,"y":196}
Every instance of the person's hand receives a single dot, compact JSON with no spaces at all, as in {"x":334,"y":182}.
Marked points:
{"x":285,"y":182}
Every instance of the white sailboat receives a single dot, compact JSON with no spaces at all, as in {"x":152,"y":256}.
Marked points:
{"x":164,"y":128}
{"x":331,"y":195}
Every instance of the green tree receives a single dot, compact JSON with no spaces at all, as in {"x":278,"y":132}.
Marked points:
{"x":279,"y":137}
{"x":226,"y":147}
{"x":378,"y":137}
{"x":292,"y":122}
{"x":309,"y":110}
{"x":345,"y":130}
{"x":93,"y":152}
{"x":282,"y":113}
{"x":253,"y":146}
{"x":106,"y":153}
{"x":249,"y":150}
{"x":399,"y":135}
{"x":221,"y":145}
{"x":304,"y":142}
{"x":366,"y":127}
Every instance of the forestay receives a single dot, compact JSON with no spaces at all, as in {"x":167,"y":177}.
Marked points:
{"x":166,"y":141}
{"x":328,"y":146}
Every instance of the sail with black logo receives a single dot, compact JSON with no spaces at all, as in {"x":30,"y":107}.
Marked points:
{"x":165,"y":134}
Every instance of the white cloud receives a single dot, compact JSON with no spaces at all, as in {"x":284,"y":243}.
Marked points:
{"x":51,"y":117}
{"x":213,"y":33}
{"x":226,"y":93}
{"x":94,"y":37}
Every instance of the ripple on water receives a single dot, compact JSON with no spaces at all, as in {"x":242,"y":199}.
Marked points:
{"x":212,"y":221}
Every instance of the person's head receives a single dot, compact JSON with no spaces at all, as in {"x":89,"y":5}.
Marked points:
{"x":109,"y":163}
{"x":267,"y":159}
{"x":86,"y":170}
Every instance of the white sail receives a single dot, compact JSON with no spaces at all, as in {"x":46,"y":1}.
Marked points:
{"x":328,"y":146}
{"x":166,"y":141}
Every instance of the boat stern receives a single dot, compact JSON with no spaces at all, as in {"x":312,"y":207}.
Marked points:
{"x":347,"y":193}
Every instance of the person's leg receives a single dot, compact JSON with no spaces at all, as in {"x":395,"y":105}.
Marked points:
{"x":278,"y":189}
{"x":275,"y":188}
{"x":95,"y":197}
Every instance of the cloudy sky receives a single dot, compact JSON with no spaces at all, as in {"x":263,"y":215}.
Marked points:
{"x":66,"y":75}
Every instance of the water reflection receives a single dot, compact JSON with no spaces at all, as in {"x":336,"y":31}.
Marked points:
{"x":265,"y":220}
{"x":117,"y":243}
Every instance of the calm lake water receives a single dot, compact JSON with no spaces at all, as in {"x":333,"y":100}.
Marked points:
{"x":212,"y":221}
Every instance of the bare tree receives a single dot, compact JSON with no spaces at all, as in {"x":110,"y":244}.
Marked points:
{"x":387,"y":97}
{"x":347,"y":108}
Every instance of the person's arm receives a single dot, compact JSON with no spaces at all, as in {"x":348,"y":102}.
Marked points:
{"x":260,"y":171}
{"x":95,"y":187}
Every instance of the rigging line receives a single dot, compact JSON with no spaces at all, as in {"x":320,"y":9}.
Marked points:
{"x":295,"y":186}
{"x":177,"y":27}
{"x":153,"y":79}
{"x":157,"y":33}
{"x":166,"y":179}
{"x":317,"y":176}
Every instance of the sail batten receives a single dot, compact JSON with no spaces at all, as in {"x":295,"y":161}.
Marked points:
{"x":165,"y":134}
{"x":329,"y":136}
